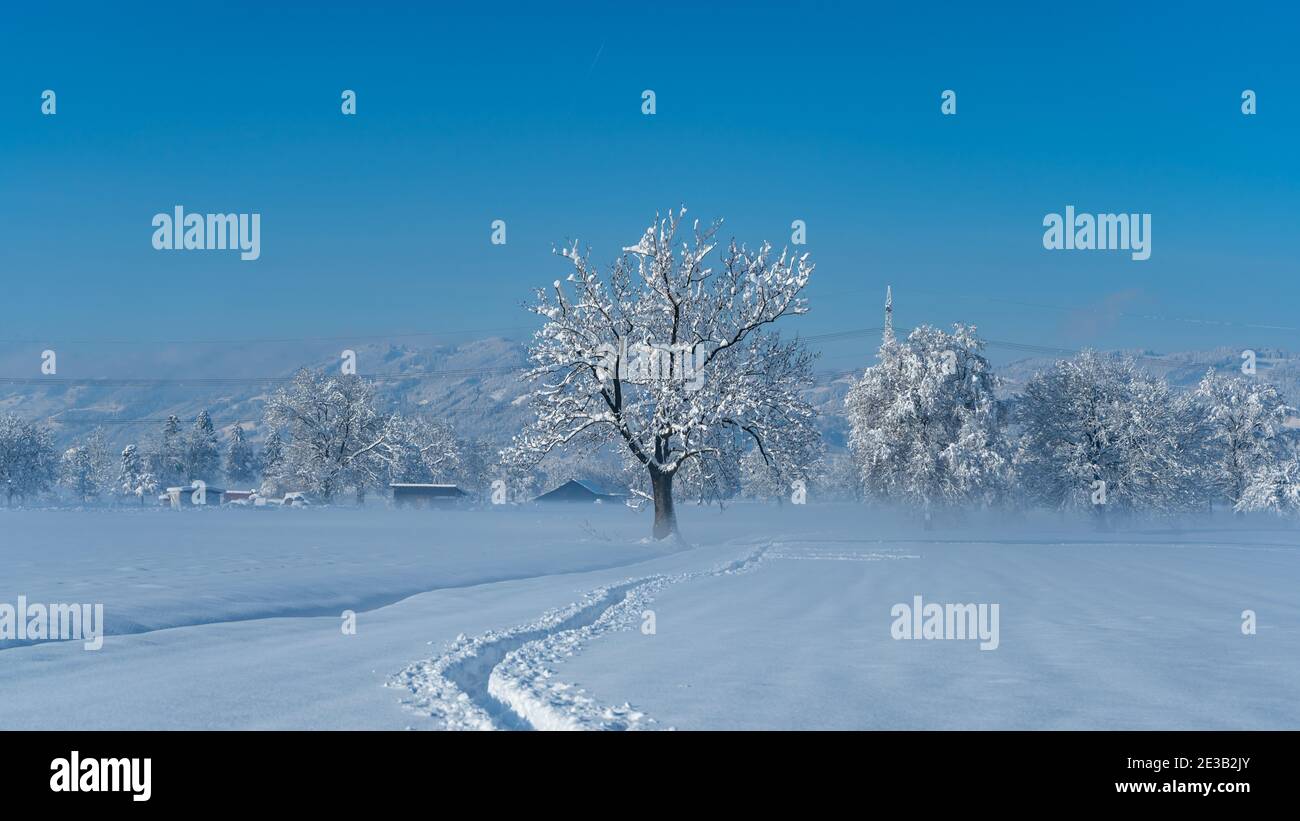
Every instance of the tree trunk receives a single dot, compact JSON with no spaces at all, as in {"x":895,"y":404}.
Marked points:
{"x":665,"y":517}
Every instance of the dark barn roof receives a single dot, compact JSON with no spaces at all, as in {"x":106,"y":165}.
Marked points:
{"x":426,"y":490}
{"x":575,"y":491}
{"x":426,"y":495}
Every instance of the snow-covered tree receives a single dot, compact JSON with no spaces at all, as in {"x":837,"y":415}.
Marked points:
{"x":28,"y":462}
{"x":420,"y":450}
{"x":134,"y":478}
{"x":1098,"y":433}
{"x":241,"y":461}
{"x":87,"y":468}
{"x":522,"y":483}
{"x":272,"y":455}
{"x":926,"y":425}
{"x":202,"y":450}
{"x":1273,"y":486}
{"x":168,"y":457}
{"x":838,"y":479}
{"x":1245,"y":419}
{"x":599,"y":465}
{"x":665,"y":350}
{"x":480,"y":465}
{"x":715,"y":480}
{"x":337,"y":437}
{"x":760,"y":480}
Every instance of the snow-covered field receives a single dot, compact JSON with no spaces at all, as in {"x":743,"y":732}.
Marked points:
{"x":541,"y":618}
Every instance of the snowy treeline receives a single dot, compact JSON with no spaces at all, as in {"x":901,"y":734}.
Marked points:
{"x":331,"y":437}
{"x":1092,"y":432}
{"x":90,"y":472}
{"x":928,"y":427}
{"x":28,"y":464}
{"x":326,"y":435}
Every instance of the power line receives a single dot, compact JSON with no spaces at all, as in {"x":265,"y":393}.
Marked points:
{"x":1068,"y":309}
{"x":836,"y":335}
{"x":219,"y":381}
{"x":530,"y":328}
{"x":208,"y":381}
{"x":1023,"y":347}
{"x":112,"y":422}
{"x":267,"y":340}
{"x":215,"y":382}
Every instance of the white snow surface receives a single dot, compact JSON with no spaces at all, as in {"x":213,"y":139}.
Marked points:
{"x":531,"y":618}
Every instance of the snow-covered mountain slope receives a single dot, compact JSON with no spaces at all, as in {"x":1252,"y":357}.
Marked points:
{"x":473,"y":384}
{"x":1183,"y":369}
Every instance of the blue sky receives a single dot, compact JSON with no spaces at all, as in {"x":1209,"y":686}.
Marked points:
{"x":380,"y":222}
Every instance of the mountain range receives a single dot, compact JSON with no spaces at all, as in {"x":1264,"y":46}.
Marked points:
{"x":128,"y":390}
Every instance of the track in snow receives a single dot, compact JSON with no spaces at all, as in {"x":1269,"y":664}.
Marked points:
{"x":504,"y":680}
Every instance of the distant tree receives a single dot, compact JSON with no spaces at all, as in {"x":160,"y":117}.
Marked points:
{"x":838,"y":479}
{"x":337,"y":439}
{"x":272,"y":455}
{"x":926,"y":425}
{"x":241,"y":462}
{"x":480,"y":465}
{"x":87,"y":469}
{"x":665,"y":350}
{"x":1245,"y":420}
{"x":202,"y":450}
{"x":135,"y":478}
{"x":28,"y":462}
{"x":168,"y":458}
{"x":419,"y":450}
{"x":760,"y":480}
{"x":1273,"y":486}
{"x":1099,"y":434}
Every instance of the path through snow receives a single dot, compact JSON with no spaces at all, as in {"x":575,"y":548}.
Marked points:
{"x":504,"y":679}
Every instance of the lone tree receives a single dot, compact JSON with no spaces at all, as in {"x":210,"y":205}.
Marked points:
{"x":670,"y":356}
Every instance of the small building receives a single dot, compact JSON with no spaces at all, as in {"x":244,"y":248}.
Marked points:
{"x":580,"y":492}
{"x":420,"y":494}
{"x":228,"y":496}
{"x":189,"y":496}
